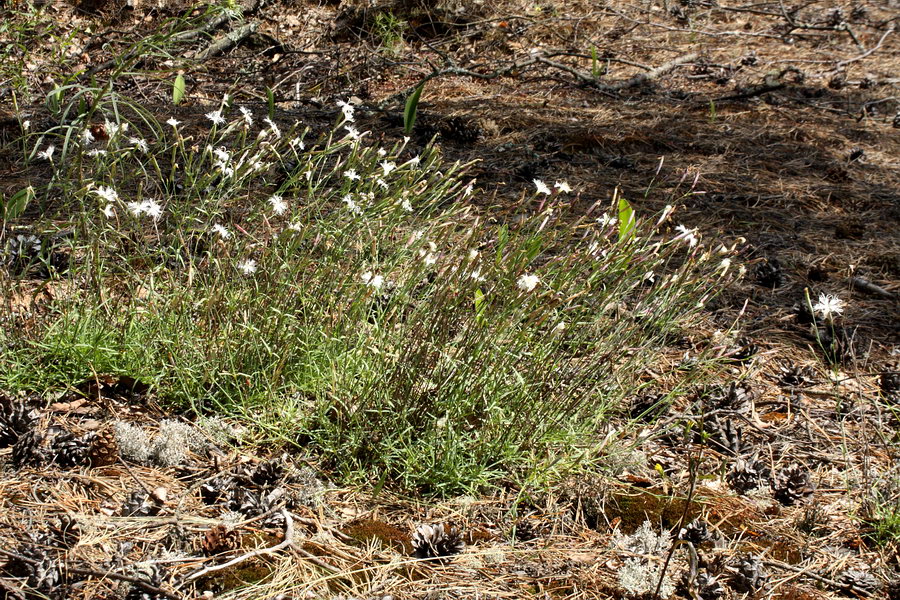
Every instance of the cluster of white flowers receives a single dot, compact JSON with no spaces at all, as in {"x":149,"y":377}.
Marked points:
{"x":352,"y":205}
{"x":221,"y":231}
{"x":247,"y":267}
{"x":562,"y":187}
{"x":47,"y":153}
{"x":149,"y":207}
{"x":348,"y":110}
{"x":528,"y":282}
{"x":372,"y":280}
{"x":688,"y":235}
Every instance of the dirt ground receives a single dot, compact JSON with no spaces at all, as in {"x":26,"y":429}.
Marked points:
{"x":775,"y":123}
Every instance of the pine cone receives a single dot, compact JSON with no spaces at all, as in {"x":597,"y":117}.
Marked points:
{"x":748,"y":574}
{"x":746,"y":475}
{"x":792,"y":484}
{"x":436,"y":541}
{"x":733,"y":397}
{"x":696,"y":532}
{"x":16,"y":418}
{"x":724,"y":435}
{"x":104,"y":449}
{"x":64,"y":532}
{"x":648,"y":406}
{"x":708,"y":586}
{"x":141,"y":504}
{"x":859,"y":582}
{"x":66,"y":449}
{"x":796,"y":376}
{"x":889,"y":383}
{"x":893,"y":588}
{"x":29,"y":451}
{"x":220,"y":539}
{"x":217,"y":489}
{"x":267,"y":474}
{"x":42,"y":571}
{"x":743,"y":350}
{"x":769,"y":274}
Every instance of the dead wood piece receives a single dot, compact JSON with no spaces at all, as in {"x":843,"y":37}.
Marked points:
{"x":864,"y":285}
{"x":228,"y":41}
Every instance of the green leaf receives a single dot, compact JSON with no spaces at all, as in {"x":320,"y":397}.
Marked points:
{"x":626,"y":220}
{"x":16,"y":205}
{"x":480,"y":306}
{"x":178,"y":89}
{"x":412,"y":103}
{"x":270,"y":99}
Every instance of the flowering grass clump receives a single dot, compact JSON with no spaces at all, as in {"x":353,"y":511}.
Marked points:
{"x":345,"y":296}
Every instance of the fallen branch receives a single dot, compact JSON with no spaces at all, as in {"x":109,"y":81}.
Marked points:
{"x":287,"y":542}
{"x":588,"y":81}
{"x":228,"y":41}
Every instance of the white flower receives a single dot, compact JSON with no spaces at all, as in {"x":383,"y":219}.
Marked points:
{"x":352,"y":205}
{"x":279,"y":206}
{"x":87,"y":138}
{"x":406,"y":205}
{"x":468,"y":189}
{"x":382,"y":183}
{"x":527,"y":282}
{"x":135,"y":208}
{"x":216,"y":117}
{"x":352,"y":132}
{"x":414,"y":161}
{"x":387,"y":167}
{"x":382,"y":152}
{"x":347,"y":109}
{"x":297,"y":143}
{"x":113,"y":129}
{"x":107,"y":193}
{"x":666,"y":213}
{"x":222,"y":231}
{"x":541,"y":187}
{"x":96,"y":152}
{"x":351,"y":174}
{"x":152,"y":209}
{"x":828,"y":306}
{"x":370,"y":279}
{"x":140,"y":144}
{"x":688,"y":235}
{"x":563,"y":187}
{"x":606,"y":220}
{"x":473,"y":254}
{"x":108,"y":211}
{"x":247,"y":114}
{"x":247,"y":267}
{"x":173,"y":122}
{"x":476,"y":275}
{"x":48,"y":153}
{"x":725,"y":265}
{"x":26,"y":125}
{"x":275,"y":131}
